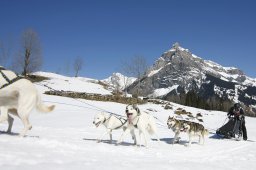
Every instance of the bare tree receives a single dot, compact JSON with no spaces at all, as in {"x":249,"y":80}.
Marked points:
{"x":78,"y":63}
{"x":29,"y":58}
{"x":136,"y":67}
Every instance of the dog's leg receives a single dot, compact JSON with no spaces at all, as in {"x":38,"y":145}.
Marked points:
{"x":26,"y":105}
{"x":175,"y":137}
{"x":157,"y":138}
{"x":140,"y":133}
{"x":10,"y":123}
{"x":200,"y":138}
{"x":27,"y":125}
{"x":123,"y":135}
{"x":190,"y":140}
{"x":3,"y":115}
{"x":110,"y":136}
{"x":134,"y":137}
{"x":102,"y":136}
{"x":145,"y":138}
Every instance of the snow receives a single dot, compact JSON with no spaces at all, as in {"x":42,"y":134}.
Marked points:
{"x":229,"y":68}
{"x":163,"y":91}
{"x":250,"y":81}
{"x":195,"y":56}
{"x":153,"y":72}
{"x":117,"y":80}
{"x":171,"y":50}
{"x":213,"y":64}
{"x":66,"y":139}
{"x":75,"y":84}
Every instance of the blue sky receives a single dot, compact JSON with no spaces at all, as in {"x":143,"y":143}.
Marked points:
{"x":106,"y":32}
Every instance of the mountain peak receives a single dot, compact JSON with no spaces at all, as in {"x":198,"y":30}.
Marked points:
{"x":176,"y":48}
{"x":178,"y":71}
{"x":176,"y":45}
{"x":118,"y":80}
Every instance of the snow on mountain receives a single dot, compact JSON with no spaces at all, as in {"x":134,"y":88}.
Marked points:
{"x":74,"y":84}
{"x":163,"y":91}
{"x":206,"y":66}
{"x":118,"y":81}
{"x":187,"y":72}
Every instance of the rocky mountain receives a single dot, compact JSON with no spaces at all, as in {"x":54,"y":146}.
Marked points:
{"x":118,"y":82}
{"x":178,"y":75}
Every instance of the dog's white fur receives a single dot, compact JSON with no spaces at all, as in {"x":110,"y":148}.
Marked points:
{"x":144,"y":122}
{"x":111,"y":122}
{"x":20,"y":98}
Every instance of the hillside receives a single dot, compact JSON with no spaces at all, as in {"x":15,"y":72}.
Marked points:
{"x":66,"y":138}
{"x":74,"y":84}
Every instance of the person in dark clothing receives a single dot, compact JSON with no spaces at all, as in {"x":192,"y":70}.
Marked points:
{"x":238,"y":112}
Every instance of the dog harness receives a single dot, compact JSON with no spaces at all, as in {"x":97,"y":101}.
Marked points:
{"x":122,"y":120}
{"x":7,"y":77}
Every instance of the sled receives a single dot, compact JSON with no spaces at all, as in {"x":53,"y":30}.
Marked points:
{"x":232,"y":129}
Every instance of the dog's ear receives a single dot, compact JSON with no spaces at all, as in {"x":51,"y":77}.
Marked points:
{"x":136,"y":108}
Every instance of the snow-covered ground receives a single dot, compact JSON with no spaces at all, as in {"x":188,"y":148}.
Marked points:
{"x":66,"y":139}
{"x":76,"y":84}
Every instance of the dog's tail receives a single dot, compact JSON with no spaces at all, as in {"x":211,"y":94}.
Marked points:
{"x":41,"y":107}
{"x":152,"y":130}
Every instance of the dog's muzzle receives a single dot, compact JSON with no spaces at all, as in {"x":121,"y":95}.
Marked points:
{"x":184,"y":129}
{"x":170,"y":125}
{"x":129,"y":117}
{"x":96,"y":124}
{"x":128,"y":114}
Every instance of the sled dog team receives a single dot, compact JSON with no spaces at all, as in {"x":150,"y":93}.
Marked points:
{"x":145,"y":124}
{"x":19,"y":96}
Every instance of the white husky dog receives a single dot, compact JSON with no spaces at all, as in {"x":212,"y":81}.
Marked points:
{"x":142,"y":121}
{"x":111,"y":122}
{"x":19,"y":97}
